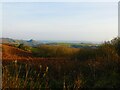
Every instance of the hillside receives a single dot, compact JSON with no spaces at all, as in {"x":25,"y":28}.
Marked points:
{"x":7,"y":40}
{"x":88,"y":68}
{"x":36,"y":43}
{"x":30,"y":42}
{"x":13,"y":52}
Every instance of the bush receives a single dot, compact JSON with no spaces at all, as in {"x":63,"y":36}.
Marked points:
{"x":26,"y":48}
{"x":116,"y":43}
{"x":54,"y":51}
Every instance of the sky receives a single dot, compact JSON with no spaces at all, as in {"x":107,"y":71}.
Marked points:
{"x":73,"y":21}
{"x":59,"y":0}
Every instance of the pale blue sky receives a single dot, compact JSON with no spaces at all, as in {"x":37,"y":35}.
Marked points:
{"x":81,"y":21}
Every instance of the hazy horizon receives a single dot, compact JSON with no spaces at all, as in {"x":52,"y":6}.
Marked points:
{"x":83,"y":21}
{"x":60,"y":41}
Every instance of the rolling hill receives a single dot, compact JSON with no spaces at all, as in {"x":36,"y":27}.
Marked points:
{"x":30,"y":42}
{"x":9,"y":52}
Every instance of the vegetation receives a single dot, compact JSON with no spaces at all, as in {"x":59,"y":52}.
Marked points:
{"x":54,"y":51}
{"x":51,"y":66}
{"x":24,"y":47}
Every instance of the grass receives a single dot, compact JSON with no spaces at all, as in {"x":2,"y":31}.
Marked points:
{"x":89,"y":68}
{"x":23,"y":76}
{"x":59,"y":73}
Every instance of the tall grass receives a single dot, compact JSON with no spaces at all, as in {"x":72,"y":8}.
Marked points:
{"x":20,"y":75}
{"x":89,"y":68}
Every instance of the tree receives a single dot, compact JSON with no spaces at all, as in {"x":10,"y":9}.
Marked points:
{"x":21,"y":46}
{"x":26,"y":48}
{"x":116,"y":43}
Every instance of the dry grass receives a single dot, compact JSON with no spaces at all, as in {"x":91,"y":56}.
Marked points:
{"x":21,"y":70}
{"x":9,"y":52}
